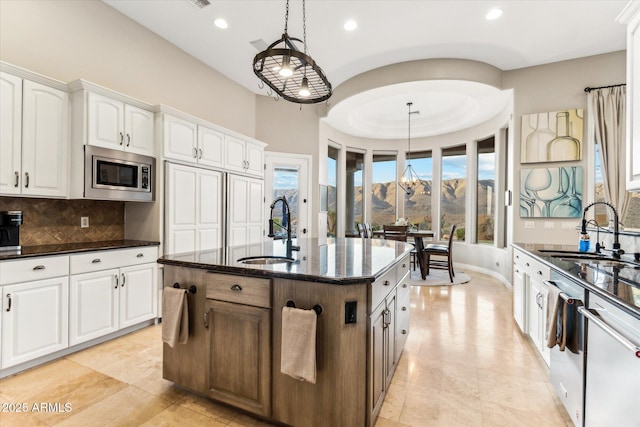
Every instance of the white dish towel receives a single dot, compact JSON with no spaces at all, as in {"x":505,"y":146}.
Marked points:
{"x":298,"y":351}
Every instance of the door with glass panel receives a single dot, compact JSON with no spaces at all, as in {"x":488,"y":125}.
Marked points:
{"x":289,"y":176}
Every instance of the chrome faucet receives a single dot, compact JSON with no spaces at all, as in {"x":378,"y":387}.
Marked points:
{"x":286,"y":215}
{"x":615,"y":251}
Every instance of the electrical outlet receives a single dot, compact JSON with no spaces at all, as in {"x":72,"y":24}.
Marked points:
{"x":529,"y":224}
{"x":84,"y":222}
{"x":549,"y":225}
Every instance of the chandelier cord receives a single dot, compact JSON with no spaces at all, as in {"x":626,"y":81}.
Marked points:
{"x":286,"y":18}
{"x":409,"y":133}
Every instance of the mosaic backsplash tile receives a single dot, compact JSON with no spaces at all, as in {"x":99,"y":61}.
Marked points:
{"x":53,"y":221}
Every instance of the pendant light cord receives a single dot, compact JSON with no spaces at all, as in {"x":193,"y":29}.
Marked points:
{"x":286,"y":18}
{"x":409,"y":154}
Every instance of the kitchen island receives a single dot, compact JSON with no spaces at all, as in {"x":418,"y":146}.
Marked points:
{"x":233,"y":353}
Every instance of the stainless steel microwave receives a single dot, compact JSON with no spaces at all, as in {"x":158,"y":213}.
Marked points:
{"x":118,"y":175}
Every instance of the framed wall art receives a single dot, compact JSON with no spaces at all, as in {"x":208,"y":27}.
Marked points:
{"x":551,"y":192}
{"x":552,"y":137}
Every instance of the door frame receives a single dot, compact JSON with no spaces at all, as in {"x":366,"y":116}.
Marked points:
{"x":302,"y":162}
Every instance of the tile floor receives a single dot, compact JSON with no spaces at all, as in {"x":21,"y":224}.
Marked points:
{"x":465,"y":364}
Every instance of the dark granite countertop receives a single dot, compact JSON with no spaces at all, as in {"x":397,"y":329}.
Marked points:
{"x":340,"y":261}
{"x":620,"y":285}
{"x":70,"y":248}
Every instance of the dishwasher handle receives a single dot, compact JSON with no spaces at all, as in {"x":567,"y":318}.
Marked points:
{"x":595,"y":318}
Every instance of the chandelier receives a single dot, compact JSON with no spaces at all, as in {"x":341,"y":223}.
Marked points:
{"x":410,"y":180}
{"x":289,"y":70}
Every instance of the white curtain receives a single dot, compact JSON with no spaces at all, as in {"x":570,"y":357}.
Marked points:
{"x":608,"y":106}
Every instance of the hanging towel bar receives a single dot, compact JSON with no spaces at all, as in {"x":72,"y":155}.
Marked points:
{"x":191,"y":289}
{"x":317,"y":308}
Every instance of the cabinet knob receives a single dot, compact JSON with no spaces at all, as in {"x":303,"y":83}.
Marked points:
{"x":404,"y":265}
{"x":386,"y":283}
{"x":404,"y":332}
{"x":96,"y":261}
{"x":527,"y":264}
{"x":236,"y":288}
{"x":404,"y":285}
{"x":140,"y":255}
{"x":404,"y":309}
{"x":540,"y":272}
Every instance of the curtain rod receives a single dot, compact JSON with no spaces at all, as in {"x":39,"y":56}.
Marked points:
{"x":589,"y":89}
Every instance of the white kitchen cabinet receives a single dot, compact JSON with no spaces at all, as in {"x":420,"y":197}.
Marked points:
{"x":33,"y":138}
{"x":105,"y":299}
{"x":519,"y":289}
{"x":193,"y":209}
{"x":538,"y":292}
{"x":631,"y":17}
{"x":244,"y":157}
{"x":94,"y":301}
{"x":120,"y":126}
{"x":245,"y":216}
{"x":35,"y":319}
{"x":189,"y":142}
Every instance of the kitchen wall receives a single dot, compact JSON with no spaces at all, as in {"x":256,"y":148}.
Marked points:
{"x":53,"y":221}
{"x":70,"y":39}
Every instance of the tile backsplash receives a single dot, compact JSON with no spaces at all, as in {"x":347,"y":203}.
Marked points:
{"x":54,"y":221}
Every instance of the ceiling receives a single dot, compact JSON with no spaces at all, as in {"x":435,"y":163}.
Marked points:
{"x":391,"y":31}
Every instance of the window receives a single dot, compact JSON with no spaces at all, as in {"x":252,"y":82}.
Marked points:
{"x":383,"y":190}
{"x":332,"y":194}
{"x":485,"y":208}
{"x":417,"y":207}
{"x":353,"y":189}
{"x":286,"y":183}
{"x":453,"y":197}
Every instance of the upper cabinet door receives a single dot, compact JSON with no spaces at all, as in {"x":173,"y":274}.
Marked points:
{"x":254,"y":160}
{"x":10,"y":133}
{"x":179,"y":139}
{"x":234,"y":154}
{"x":210,"y":147}
{"x":106,"y":122}
{"x":138,"y":131}
{"x":44,"y":141}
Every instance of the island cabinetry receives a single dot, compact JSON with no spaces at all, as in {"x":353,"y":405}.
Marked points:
{"x":388,"y":331}
{"x":238,"y":318}
{"x":338,"y":398}
{"x":186,"y":364}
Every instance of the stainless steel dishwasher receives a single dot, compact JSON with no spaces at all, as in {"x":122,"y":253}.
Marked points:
{"x":567,"y":367}
{"x":612,"y":386}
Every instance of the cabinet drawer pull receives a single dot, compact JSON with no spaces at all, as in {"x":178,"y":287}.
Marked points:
{"x":123,"y":280}
{"x":128,"y":139}
{"x":140,"y":255}
{"x":26,"y":178}
{"x":195,"y":153}
{"x":121,"y":138}
{"x":39,"y":267}
{"x":386,"y":283}
{"x":116,"y":277}
{"x":404,"y":309}
{"x":17,"y":179}
{"x":236,"y":288}
{"x":205,"y":319}
{"x":96,"y":261}
{"x":404,"y":332}
{"x":9,"y":301}
{"x":199,"y":153}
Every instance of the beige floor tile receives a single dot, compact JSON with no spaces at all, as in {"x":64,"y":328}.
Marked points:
{"x":17,"y":413}
{"x":128,"y":407}
{"x":441,"y":408}
{"x":496,"y":415}
{"x":176,"y":415}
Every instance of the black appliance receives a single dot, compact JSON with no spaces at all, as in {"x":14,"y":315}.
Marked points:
{"x":10,"y":222}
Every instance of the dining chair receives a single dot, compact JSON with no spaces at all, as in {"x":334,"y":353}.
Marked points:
{"x":395,"y":232}
{"x":362,"y":232}
{"x":439,"y":250}
{"x":368,"y":230}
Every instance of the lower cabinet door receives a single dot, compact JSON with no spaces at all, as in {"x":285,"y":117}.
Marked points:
{"x":377,"y":356}
{"x":239,"y":370}
{"x":138,"y":294}
{"x":35,"y":319}
{"x":94,"y":301}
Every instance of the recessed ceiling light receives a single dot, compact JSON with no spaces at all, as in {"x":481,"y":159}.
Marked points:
{"x":350,"y":25}
{"x":221,"y":23}
{"x":494,"y":14}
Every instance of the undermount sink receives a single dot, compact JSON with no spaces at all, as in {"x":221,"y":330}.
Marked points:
{"x":265,"y":259}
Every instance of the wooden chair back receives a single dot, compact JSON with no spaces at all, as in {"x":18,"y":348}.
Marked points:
{"x":395,"y":232}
